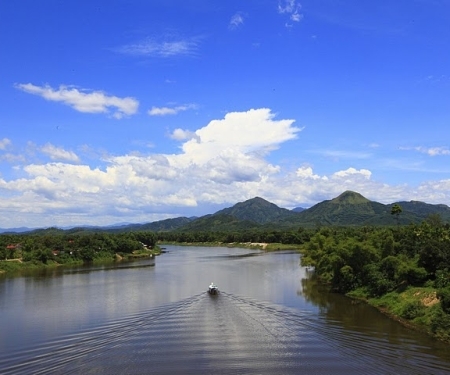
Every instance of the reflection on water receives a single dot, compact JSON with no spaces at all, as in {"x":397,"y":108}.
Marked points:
{"x":107,"y":266}
{"x":266,"y":320}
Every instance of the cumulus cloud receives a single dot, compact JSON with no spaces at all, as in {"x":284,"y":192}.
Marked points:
{"x":83,"y":101}
{"x":58,"y":153}
{"x":250,"y":131}
{"x":307,"y":173}
{"x":224,"y":162}
{"x":236,"y":20}
{"x":165,"y":46}
{"x":164,"y":111}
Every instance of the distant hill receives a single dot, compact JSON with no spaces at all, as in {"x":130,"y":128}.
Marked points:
{"x":298,"y":209}
{"x":250,"y":214}
{"x":15,"y":230}
{"x":218,"y":222}
{"x":257,"y":210}
{"x":348,"y":209}
{"x":157,"y":226}
{"x":423,"y":210}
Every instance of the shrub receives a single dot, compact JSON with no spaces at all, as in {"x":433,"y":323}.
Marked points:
{"x":440,"y":325}
{"x":414,"y":275}
{"x":444,"y":296}
{"x":344,"y":279}
{"x":442,"y":279}
{"x":376,"y":282}
{"x":413,"y":310}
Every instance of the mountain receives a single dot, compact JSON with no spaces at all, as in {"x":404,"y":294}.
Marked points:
{"x":155,"y":226}
{"x":298,"y":209}
{"x":15,"y":230}
{"x":167,"y":224}
{"x":349,"y":208}
{"x":423,"y":210}
{"x":257,"y":210}
{"x":218,"y":222}
{"x":250,"y":214}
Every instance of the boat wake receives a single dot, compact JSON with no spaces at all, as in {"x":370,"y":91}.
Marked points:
{"x":228,"y":334}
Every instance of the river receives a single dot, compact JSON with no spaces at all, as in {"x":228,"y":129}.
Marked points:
{"x":155,"y":317}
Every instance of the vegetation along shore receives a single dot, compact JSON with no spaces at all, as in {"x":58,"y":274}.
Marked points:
{"x":55,"y":247}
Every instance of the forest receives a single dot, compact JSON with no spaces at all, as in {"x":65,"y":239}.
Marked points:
{"x":404,"y":270}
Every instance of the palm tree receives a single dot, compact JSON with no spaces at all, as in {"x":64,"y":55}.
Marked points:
{"x":396,"y":210}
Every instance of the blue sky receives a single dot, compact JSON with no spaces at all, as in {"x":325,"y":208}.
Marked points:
{"x":136,"y":111}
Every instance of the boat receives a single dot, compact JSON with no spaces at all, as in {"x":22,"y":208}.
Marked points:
{"x":213,"y":289}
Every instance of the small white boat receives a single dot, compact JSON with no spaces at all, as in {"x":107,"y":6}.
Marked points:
{"x":213,"y":289}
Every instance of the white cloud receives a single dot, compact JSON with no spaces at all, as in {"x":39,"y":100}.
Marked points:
{"x":165,"y":47}
{"x":251,"y":131}
{"x":87,"y":102}
{"x":296,"y":17}
{"x":58,"y":153}
{"x":292,"y":9}
{"x":433,"y":151}
{"x":221,"y":163}
{"x":12,"y":158}
{"x":164,"y":111}
{"x":4,"y":143}
{"x":351,"y":172}
{"x":236,"y":20}
{"x":182,"y":135}
{"x":307,"y":172}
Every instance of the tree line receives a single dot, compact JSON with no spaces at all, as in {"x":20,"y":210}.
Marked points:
{"x":297,"y":237}
{"x":62,"y":247}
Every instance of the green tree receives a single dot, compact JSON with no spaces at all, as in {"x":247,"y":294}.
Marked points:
{"x":434,"y":220}
{"x":396,"y":210}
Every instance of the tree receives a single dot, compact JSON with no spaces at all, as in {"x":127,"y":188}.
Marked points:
{"x":396,"y":210}
{"x":434,"y":220}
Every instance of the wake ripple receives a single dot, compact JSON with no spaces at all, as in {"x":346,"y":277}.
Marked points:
{"x":225,"y":334}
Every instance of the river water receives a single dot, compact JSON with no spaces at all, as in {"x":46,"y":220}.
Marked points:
{"x":155,"y":317}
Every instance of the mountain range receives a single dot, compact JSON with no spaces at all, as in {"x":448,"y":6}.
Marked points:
{"x":348,"y":209}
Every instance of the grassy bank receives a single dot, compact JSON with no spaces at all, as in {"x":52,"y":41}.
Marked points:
{"x":417,"y":308}
{"x":14,"y":267}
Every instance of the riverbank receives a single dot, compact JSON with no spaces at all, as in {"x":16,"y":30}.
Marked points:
{"x":246,"y":245}
{"x":416,"y":308}
{"x":14,"y":267}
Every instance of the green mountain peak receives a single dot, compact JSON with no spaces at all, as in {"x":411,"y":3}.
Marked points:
{"x":349,"y":197}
